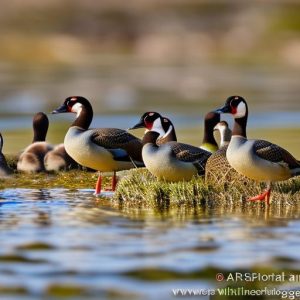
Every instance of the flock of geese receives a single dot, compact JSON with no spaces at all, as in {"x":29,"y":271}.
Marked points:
{"x":112,"y":149}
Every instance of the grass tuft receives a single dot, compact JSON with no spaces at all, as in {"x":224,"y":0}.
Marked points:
{"x":139,"y":188}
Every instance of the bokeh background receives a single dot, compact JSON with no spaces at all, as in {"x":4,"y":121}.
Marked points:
{"x":179,"y":57}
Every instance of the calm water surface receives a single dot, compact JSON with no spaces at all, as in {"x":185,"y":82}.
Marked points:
{"x":69,"y":239}
{"x":282,"y":119}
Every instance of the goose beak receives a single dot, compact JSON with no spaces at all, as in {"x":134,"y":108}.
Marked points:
{"x":140,"y":124}
{"x":224,"y":110}
{"x":62,"y":109}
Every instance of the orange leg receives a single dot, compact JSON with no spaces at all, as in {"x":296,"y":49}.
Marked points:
{"x":114,"y":182}
{"x":265,"y":196}
{"x":98,"y":185}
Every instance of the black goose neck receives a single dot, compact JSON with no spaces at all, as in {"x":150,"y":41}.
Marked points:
{"x":226,"y":135}
{"x":85,"y":117}
{"x":150,"y":137}
{"x":39,"y":136}
{"x":240,"y":125}
{"x":210,"y":121}
{"x":40,"y":127}
{"x":209,"y":136}
{"x":172,"y":136}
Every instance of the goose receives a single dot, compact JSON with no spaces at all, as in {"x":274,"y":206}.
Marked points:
{"x":225,"y":133}
{"x":32,"y":158}
{"x":259,"y":160}
{"x":58,"y":159}
{"x":217,"y":168}
{"x":162,"y":124}
{"x":5,"y":170}
{"x":101,"y":149}
{"x":210,"y":121}
{"x":171,"y":161}
{"x":165,"y":128}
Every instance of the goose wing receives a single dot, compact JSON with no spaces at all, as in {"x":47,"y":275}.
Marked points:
{"x":119,"y":154}
{"x":118,"y":142}
{"x":187,"y":153}
{"x":191,"y":154}
{"x":274,"y":153}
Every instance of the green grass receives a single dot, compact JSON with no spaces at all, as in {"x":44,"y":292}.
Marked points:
{"x":140,"y":189}
{"x":72,"y":179}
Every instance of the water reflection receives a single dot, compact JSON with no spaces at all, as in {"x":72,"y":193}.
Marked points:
{"x":60,"y":242}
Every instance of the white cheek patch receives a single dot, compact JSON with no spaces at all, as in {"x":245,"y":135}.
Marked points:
{"x":169,"y":131}
{"x":157,"y":127}
{"x":240,"y":110}
{"x":77,"y":108}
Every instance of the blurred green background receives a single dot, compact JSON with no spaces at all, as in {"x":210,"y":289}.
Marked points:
{"x":178,"y":57}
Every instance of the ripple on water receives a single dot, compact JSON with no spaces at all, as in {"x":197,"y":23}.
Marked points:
{"x":59,"y":242}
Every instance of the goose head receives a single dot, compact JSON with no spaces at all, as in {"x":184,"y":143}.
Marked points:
{"x":155,"y":122}
{"x":73,"y":104}
{"x":236,"y":106}
{"x":221,"y":126}
{"x":81,"y":107}
{"x":211,"y":120}
{"x":40,"y":124}
{"x":225,"y":132}
{"x":148,"y":120}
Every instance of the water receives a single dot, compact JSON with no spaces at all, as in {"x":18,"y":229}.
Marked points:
{"x":57,"y":241}
{"x":284,"y":119}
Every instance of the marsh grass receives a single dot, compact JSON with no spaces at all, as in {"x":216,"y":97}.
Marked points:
{"x":72,"y":179}
{"x":138,"y":189}
{"x":141,"y":189}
